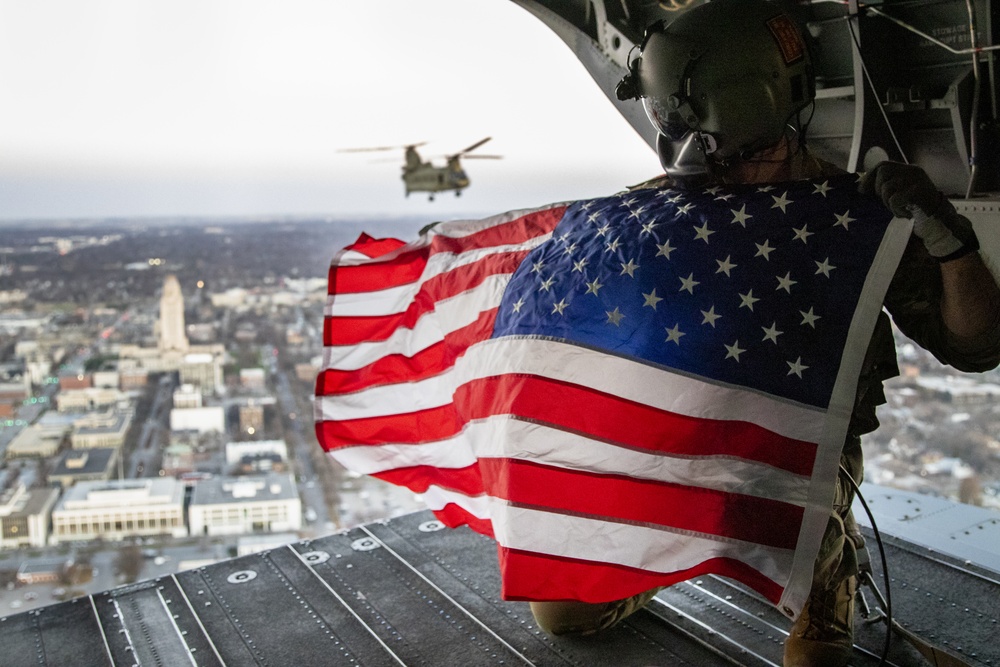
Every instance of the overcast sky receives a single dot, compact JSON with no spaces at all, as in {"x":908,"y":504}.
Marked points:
{"x":213,"y":107}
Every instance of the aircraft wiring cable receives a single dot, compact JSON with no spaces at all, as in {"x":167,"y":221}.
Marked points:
{"x":871,"y":84}
{"x":976,"y":92}
{"x":885,"y":568}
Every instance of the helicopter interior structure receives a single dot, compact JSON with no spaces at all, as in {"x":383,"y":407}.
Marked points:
{"x":907,"y":80}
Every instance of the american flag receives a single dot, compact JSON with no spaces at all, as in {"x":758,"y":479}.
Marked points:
{"x":626,"y":392}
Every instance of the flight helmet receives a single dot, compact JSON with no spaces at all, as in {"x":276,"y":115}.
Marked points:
{"x":720,"y":82}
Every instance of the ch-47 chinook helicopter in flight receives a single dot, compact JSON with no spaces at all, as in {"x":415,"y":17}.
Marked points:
{"x":421,"y":175}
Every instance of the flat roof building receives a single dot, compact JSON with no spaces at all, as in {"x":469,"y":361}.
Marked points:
{"x":84,"y":465}
{"x":236,"y":451}
{"x":114,"y":509}
{"x":207,"y":419}
{"x":101,"y":430}
{"x":35,"y":441}
{"x":245,"y":505}
{"x":187,"y":396}
{"x":90,"y":399}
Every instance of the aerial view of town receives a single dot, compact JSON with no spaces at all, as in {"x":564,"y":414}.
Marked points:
{"x":156,"y":383}
{"x":156,"y":401}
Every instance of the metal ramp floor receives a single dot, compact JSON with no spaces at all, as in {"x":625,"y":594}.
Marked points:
{"x":410,"y":592}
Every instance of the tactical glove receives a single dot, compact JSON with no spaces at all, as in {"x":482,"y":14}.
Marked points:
{"x":909,"y":193}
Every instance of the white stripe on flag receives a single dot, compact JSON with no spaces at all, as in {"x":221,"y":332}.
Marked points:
{"x":347,"y":257}
{"x":456,"y":229}
{"x":394,"y":399}
{"x":436,"y":498}
{"x":370,"y":304}
{"x":450,"y":315}
{"x":505,"y":437}
{"x":445,"y":454}
{"x":398,"y":299}
{"x":654,"y":549}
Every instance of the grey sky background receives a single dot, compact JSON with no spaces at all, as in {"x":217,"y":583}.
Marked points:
{"x":238,"y":108}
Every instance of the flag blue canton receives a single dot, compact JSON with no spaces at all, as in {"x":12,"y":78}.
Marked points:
{"x":749,"y":285}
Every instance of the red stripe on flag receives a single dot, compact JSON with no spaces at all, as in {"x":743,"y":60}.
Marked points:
{"x":468,"y":480}
{"x":630,"y":500}
{"x":531,"y":576}
{"x":412,"y":427}
{"x":403,"y":269}
{"x":373,"y":247}
{"x":601,"y":416}
{"x":454,"y":516}
{"x":407,"y":267}
{"x":354,"y":330}
{"x":397,"y":368}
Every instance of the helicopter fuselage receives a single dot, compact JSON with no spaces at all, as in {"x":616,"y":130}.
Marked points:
{"x":420,"y":176}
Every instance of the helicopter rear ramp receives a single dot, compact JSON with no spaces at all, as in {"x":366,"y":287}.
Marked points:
{"x":409,"y":592}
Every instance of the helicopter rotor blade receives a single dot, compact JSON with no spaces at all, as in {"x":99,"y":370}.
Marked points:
{"x":482,"y":157}
{"x":470,"y":148}
{"x":381,"y":148}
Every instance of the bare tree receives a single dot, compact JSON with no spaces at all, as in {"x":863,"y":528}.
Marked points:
{"x":128,"y":563}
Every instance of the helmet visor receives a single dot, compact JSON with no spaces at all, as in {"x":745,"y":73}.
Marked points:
{"x":666,"y":120}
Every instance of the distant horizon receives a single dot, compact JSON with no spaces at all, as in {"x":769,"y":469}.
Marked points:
{"x":193,"y":220}
{"x":202,"y":108}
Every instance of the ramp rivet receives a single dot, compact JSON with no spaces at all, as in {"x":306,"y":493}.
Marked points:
{"x":316,"y":557}
{"x":364,"y":544}
{"x":430,"y":526}
{"x":241,"y":577}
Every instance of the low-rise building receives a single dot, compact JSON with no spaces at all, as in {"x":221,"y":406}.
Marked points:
{"x":203,"y":369}
{"x":74,"y":379}
{"x":306,"y":372}
{"x":237,"y":451}
{"x":115,"y":509}
{"x":90,"y":399}
{"x":251,"y":419}
{"x":252,"y":378}
{"x":41,"y":570}
{"x":187,"y":396}
{"x":178,"y":459}
{"x":107,"y":378}
{"x":131,"y":379}
{"x":84,"y":465}
{"x":245,"y":505}
{"x":24,"y":515}
{"x":960,"y":390}
{"x":234,"y":298}
{"x":15,"y":386}
{"x":207,"y":419}
{"x":37,"y":360}
{"x":106,"y":429}
{"x":35,"y":442}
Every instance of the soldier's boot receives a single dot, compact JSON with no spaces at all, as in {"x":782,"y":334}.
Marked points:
{"x":823,"y":635}
{"x":569,"y":617}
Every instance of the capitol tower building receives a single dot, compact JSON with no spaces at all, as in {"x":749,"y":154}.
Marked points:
{"x":197,"y":365}
{"x":172,"y":337}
